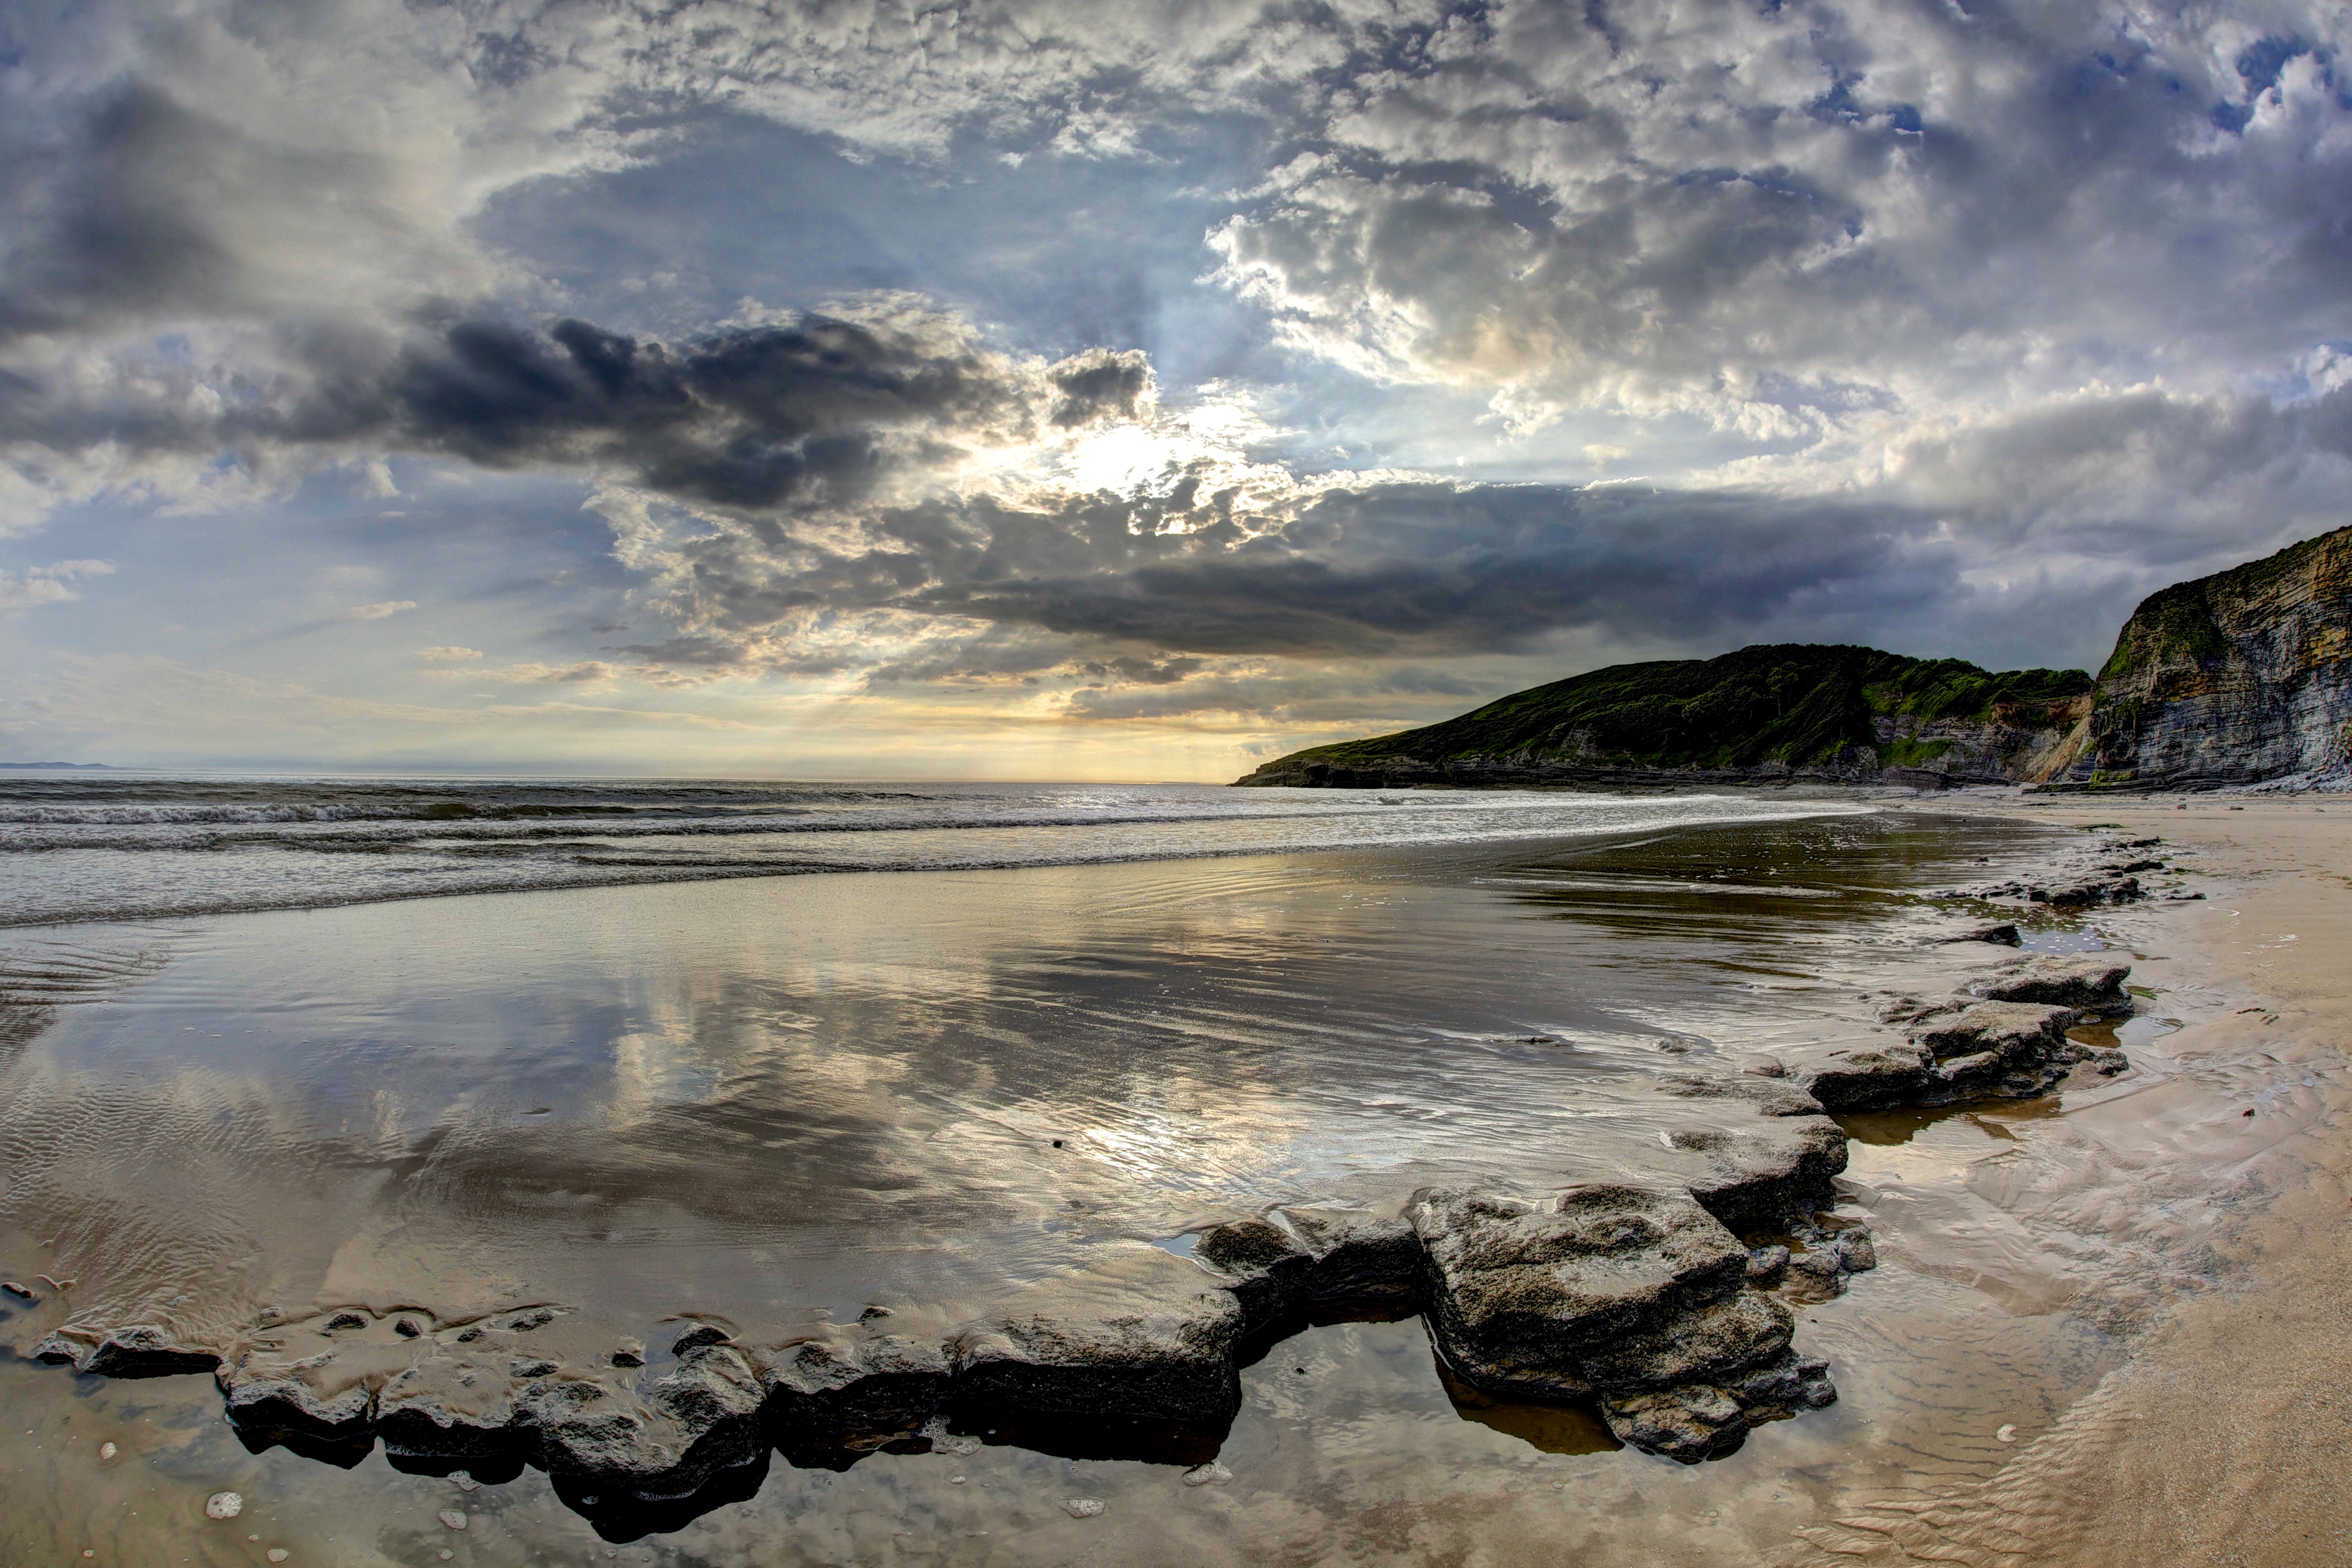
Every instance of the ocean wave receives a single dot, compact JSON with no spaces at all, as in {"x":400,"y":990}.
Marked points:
{"x":173,"y":849}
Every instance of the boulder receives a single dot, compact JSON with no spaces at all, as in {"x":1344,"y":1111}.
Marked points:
{"x":1150,"y":1341}
{"x":835,"y":1398}
{"x":1522,"y":1292}
{"x":2092,"y":982}
{"x":1868,"y":1079}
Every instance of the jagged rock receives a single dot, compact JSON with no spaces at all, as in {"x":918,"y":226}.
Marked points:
{"x":137,"y":1350}
{"x":1769,"y":1093}
{"x":1763,"y":1172}
{"x":1268,"y":1264}
{"x":1362,"y":1263}
{"x":1767,"y":1264}
{"x":2004,"y":935}
{"x":832,"y":1399}
{"x":1717,"y":1343}
{"x":1523,"y":1290}
{"x":1699,"y":1421}
{"x":2092,"y":982}
{"x":1139,"y":1343}
{"x":2088,"y":891}
{"x":1868,"y":1079}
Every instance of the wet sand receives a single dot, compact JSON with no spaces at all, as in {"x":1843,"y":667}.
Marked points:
{"x":2223,"y":1436}
{"x":2032,"y":1254}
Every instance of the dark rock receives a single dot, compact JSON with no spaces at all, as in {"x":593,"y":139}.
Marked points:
{"x":1764,"y":1172}
{"x":1717,"y":1343}
{"x":2004,"y":935}
{"x":1362,"y":1265}
{"x":1269,"y":1265}
{"x":2092,"y":982}
{"x":832,"y":1399}
{"x":1766,"y":1265}
{"x":1699,"y":1421}
{"x":1522,"y":1290}
{"x":139,"y":1349}
{"x":1141,"y":1342}
{"x":2090,"y":890}
{"x":1868,"y":1079}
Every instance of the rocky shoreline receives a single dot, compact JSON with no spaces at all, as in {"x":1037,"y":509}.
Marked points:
{"x":1665,"y":1305}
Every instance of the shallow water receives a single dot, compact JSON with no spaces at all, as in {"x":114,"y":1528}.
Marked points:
{"x":770,"y":1102}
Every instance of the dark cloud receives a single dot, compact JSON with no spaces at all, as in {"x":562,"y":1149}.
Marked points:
{"x":1100,"y":385}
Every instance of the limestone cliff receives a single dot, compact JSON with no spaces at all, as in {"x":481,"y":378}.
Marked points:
{"x":2240,"y":677}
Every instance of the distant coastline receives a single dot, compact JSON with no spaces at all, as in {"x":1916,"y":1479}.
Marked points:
{"x":78,"y":767}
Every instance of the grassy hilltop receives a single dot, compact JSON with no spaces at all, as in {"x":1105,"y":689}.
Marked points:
{"x":1794,"y":706}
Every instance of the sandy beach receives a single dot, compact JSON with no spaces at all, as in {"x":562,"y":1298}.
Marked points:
{"x":2102,"y":1326}
{"x":2221,"y":1438}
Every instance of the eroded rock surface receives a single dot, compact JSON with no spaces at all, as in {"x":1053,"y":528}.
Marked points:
{"x":1638,"y":1296}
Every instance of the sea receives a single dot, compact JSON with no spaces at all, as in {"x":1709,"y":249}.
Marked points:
{"x":772,"y":1054}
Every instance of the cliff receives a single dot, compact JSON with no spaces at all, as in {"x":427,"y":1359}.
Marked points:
{"x":1785,"y":713}
{"x":2233,"y":678}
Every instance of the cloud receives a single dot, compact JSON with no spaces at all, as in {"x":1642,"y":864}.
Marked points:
{"x":50,"y":585}
{"x":378,"y":612}
{"x":448,"y":655}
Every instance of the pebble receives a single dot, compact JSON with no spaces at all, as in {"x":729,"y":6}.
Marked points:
{"x":1084,"y":1507}
{"x":955,"y":1481}
{"x":466,"y":1483}
{"x":1211,"y":1474}
{"x":107,"y":1450}
{"x":2006,"y":1435}
{"x":224,"y":1505}
{"x":455,"y":1518}
{"x":277,"y":1554}
{"x":447,"y":1554}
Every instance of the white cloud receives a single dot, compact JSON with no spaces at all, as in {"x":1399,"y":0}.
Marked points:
{"x":50,"y":585}
{"x":448,"y":655}
{"x":378,"y":612}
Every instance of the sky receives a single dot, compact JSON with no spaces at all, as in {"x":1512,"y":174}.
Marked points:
{"x":1044,"y":389}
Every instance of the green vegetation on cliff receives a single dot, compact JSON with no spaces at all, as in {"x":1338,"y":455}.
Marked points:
{"x":1795,"y":703}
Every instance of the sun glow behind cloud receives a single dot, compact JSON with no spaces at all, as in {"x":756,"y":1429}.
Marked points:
{"x":1004,"y":388}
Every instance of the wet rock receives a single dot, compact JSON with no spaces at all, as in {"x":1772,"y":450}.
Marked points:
{"x":1760,"y":1173}
{"x":2092,"y":982}
{"x":1147,"y":1339}
{"x":1268,"y":1266}
{"x":1361,"y":1263}
{"x":834,"y":1398}
{"x":2003,"y":936}
{"x":343,"y":1321}
{"x":22,"y":1291}
{"x":1522,"y":1292}
{"x":1690,"y":1423}
{"x":272,"y":1400}
{"x":1768,"y":1093}
{"x":2095,"y":890}
{"x":139,"y":1349}
{"x":699,"y":1417}
{"x":1767,"y":1264}
{"x":1868,"y":1079}
{"x":2009,"y":1049}
{"x":1717,"y":1343}
{"x":441,"y":1409}
{"x":407,"y":1329}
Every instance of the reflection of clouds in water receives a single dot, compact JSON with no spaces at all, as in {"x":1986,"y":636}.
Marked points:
{"x":771,"y":1094}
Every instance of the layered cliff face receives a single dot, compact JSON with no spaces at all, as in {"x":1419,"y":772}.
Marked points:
{"x":1789,"y":713}
{"x":2233,"y":678}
